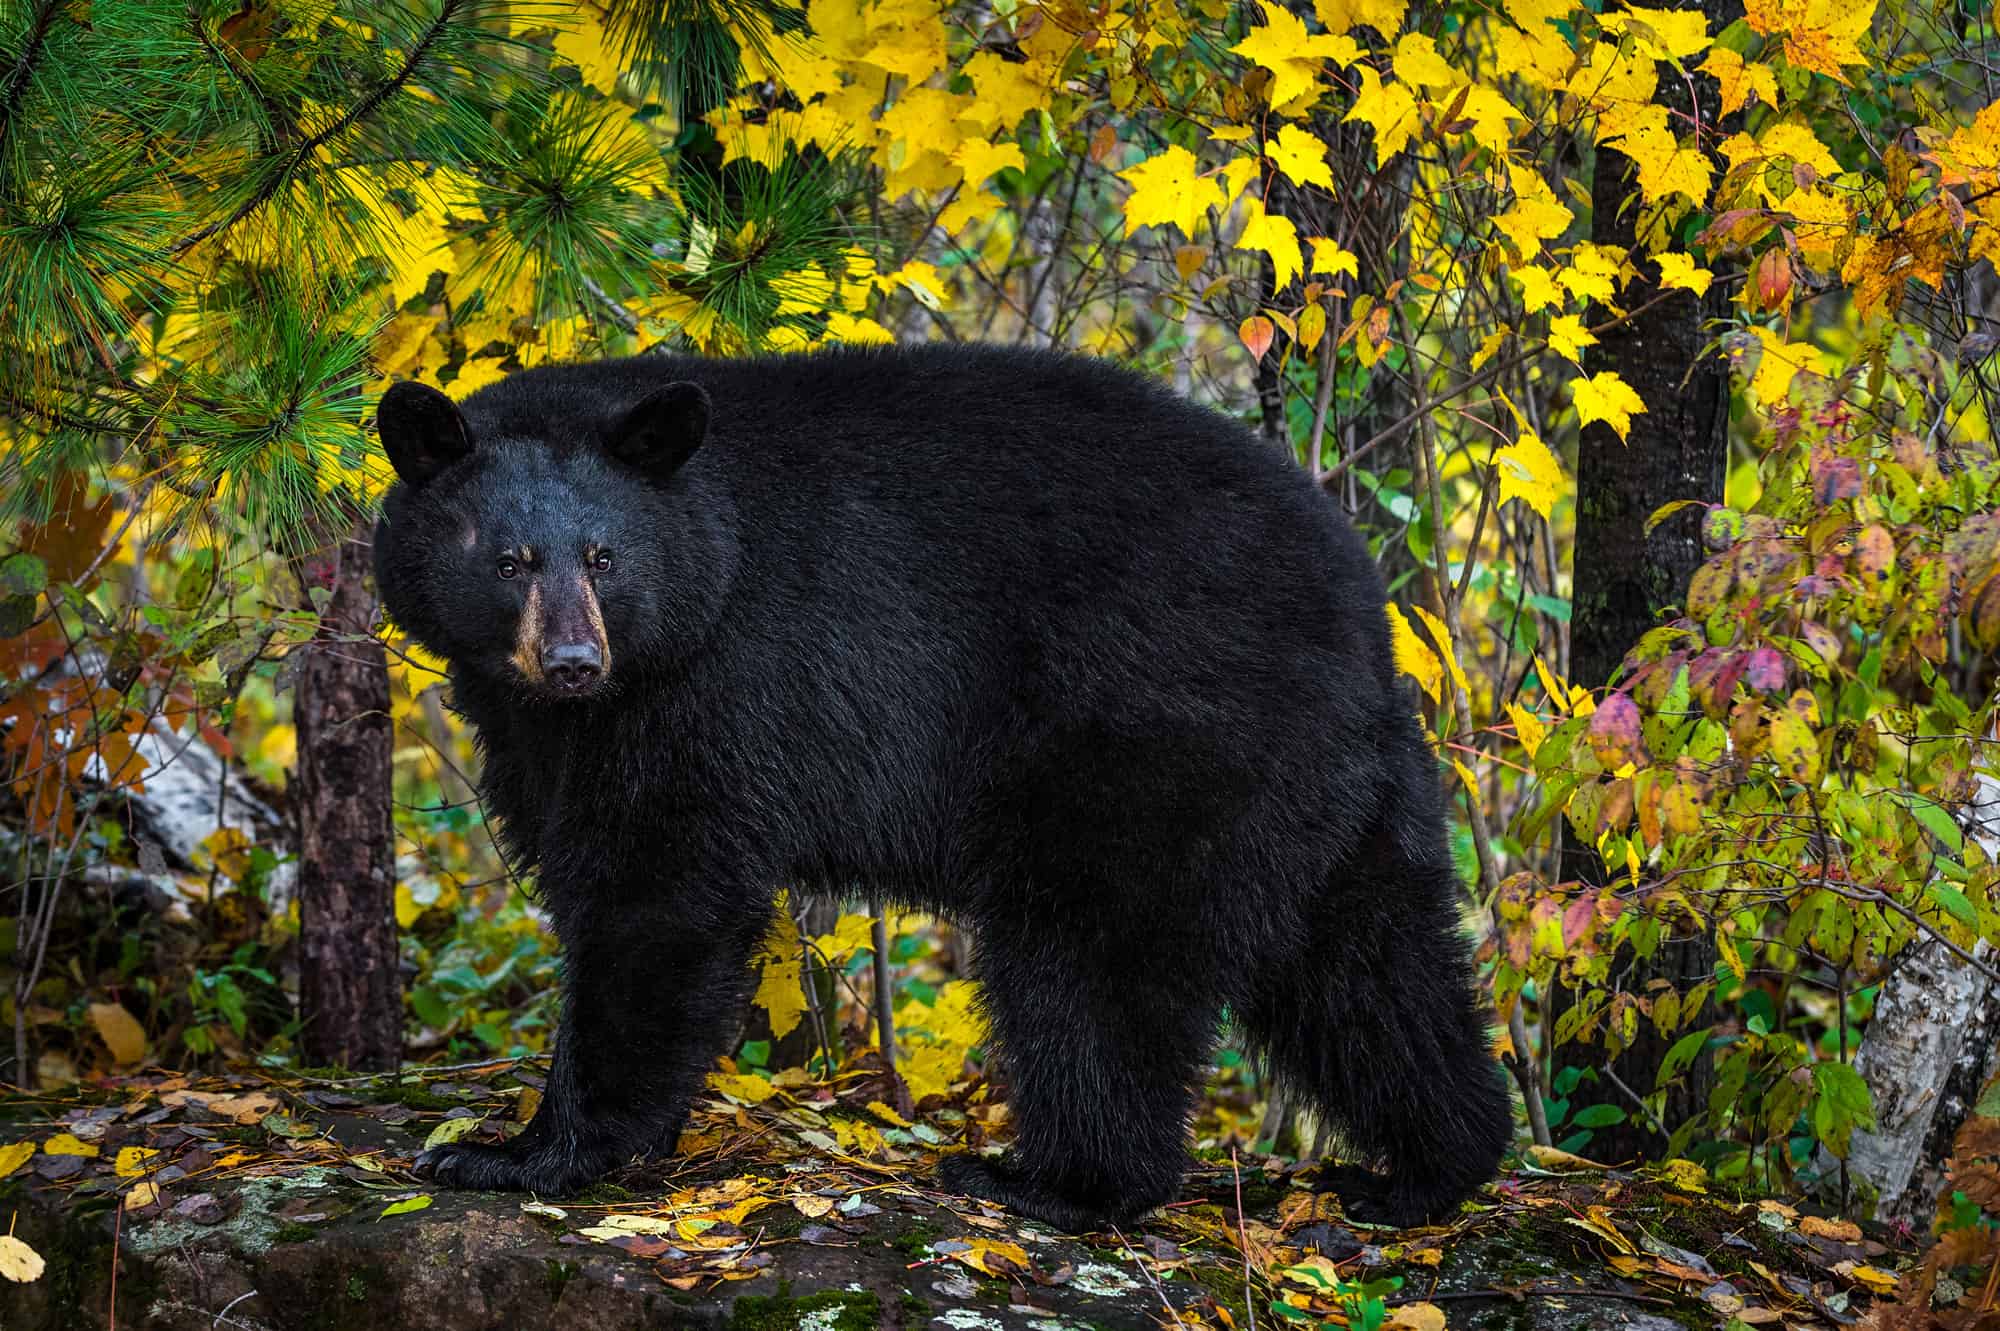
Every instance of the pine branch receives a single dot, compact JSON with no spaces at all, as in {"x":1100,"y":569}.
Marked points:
{"x":16,"y":86}
{"x":353,"y":116}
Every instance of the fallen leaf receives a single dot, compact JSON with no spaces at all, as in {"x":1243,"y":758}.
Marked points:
{"x":18,"y":1262}
{"x":991,"y":1257}
{"x":1841,"y":1231}
{"x":1416,"y":1317}
{"x":131,"y":1161}
{"x":13,"y":1155}
{"x":450,"y":1131}
{"x":407,"y":1205}
{"x":64,"y":1144}
{"x":120,"y":1030}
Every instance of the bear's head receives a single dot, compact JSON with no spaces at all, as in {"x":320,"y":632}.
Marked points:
{"x":550,"y":555}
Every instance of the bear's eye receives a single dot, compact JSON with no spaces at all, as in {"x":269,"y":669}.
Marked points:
{"x":508,"y":568}
{"x":601,"y":561}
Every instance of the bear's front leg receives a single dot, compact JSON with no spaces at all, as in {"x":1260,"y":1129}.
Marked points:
{"x":650,"y":992}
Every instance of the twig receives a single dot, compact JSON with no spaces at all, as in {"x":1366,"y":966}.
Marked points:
{"x":1154,"y":1280}
{"x":1633,"y":1096}
{"x":1540,"y":1292}
{"x":1243,"y":1240}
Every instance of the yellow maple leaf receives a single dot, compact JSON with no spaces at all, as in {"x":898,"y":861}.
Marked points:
{"x":1385,"y":16}
{"x":1328,"y":257}
{"x":1594,"y":271}
{"x":1666,"y":165}
{"x":1300,"y":156}
{"x":1820,"y":35}
{"x":1276,"y":236}
{"x":1418,"y":63}
{"x":1413,"y":656}
{"x":1536,"y":216}
{"x":1971,"y":153}
{"x":1538,"y":288}
{"x":1294,"y":56}
{"x":1530,"y":473}
{"x":1569,"y":337}
{"x":1608,"y":398}
{"x":1665,"y":34}
{"x":980,"y":160}
{"x":1792,"y":139}
{"x":779,"y":991}
{"x":1741,"y":81}
{"x":1005,"y":89}
{"x":1780,"y":362}
{"x":1167,"y":189}
{"x":1489,"y":113}
{"x":1389,"y":108}
{"x":1678,"y":270}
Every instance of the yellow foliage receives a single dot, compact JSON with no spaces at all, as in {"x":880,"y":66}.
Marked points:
{"x":1413,"y":657}
{"x":1530,"y":472}
{"x":1819,"y":35}
{"x":1169,"y":189}
{"x":1608,"y":398}
{"x":779,"y":990}
{"x":1277,"y":237}
{"x":1282,"y":45}
{"x":1301,"y":156}
{"x":1389,"y":109}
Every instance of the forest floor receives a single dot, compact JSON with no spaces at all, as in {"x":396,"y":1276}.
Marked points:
{"x":274,"y":1202}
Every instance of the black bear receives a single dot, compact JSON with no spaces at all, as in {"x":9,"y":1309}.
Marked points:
{"x":1019,"y":638}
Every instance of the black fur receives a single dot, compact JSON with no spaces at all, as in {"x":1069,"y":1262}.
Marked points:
{"x":1019,"y":638}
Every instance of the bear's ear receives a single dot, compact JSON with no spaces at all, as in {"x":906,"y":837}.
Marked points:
{"x":662,"y":431}
{"x":422,"y":431}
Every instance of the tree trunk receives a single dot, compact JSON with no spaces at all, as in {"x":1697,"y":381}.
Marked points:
{"x":1623,"y":577}
{"x":1927,"y":1052}
{"x":350,"y":994}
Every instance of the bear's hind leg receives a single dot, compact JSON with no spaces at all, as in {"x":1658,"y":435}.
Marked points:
{"x":1101,"y":1054}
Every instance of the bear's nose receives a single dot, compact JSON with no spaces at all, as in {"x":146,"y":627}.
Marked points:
{"x":572,"y":666}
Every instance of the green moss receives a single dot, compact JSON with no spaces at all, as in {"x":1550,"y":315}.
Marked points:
{"x":915,"y":1311}
{"x":293,"y":1232}
{"x":836,"y":1311}
{"x":915,"y":1241}
{"x":412,"y":1097}
{"x":598,"y":1193}
{"x":357,"y":1288}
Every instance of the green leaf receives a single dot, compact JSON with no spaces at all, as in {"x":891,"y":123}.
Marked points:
{"x":451,"y":1130}
{"x":407,"y":1205}
{"x":1599,"y":1116}
{"x":1955,"y":902}
{"x":429,"y":1007}
{"x":1936,"y":819}
{"x":23,"y":574}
